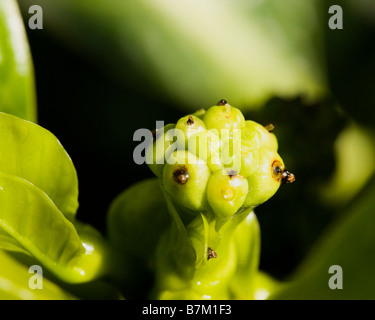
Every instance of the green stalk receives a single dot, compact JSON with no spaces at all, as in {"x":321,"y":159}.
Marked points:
{"x":198,"y":259}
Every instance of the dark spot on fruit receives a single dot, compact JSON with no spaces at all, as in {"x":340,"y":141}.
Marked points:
{"x":181,"y":175}
{"x":222,"y":102}
{"x":232,"y":173}
{"x":277,"y":170}
{"x":269,"y":127}
{"x":190,"y":121}
{"x":211,"y":254}
{"x":287,"y":177}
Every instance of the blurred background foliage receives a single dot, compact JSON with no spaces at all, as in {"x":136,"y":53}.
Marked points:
{"x":104,"y":69}
{"x":17,"y":89}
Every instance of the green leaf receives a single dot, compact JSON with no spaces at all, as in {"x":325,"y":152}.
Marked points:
{"x":264,"y":286}
{"x":137,"y":218}
{"x":17,"y":89}
{"x":93,"y":290}
{"x":95,"y":245}
{"x":31,"y":221}
{"x":196,"y":52}
{"x":100,"y":251}
{"x":349,"y":243}
{"x":33,"y":153}
{"x":38,"y":192}
{"x":14,"y":283}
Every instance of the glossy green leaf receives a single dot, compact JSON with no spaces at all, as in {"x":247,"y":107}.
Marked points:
{"x":17,"y":89}
{"x":31,"y":221}
{"x":33,"y":153}
{"x":102,"y":253}
{"x":115,"y":268}
{"x":348,"y":243}
{"x":264,"y":286}
{"x":137,"y":218}
{"x":95,"y":245}
{"x":93,"y":290}
{"x":14,"y":283}
{"x":196,"y":52}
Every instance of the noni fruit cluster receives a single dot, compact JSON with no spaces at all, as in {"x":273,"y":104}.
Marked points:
{"x":216,"y":160}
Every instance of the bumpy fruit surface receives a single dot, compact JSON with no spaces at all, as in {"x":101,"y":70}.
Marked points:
{"x":266,"y":179}
{"x":186,"y":180}
{"x":224,"y":116}
{"x":158,"y":151}
{"x":217,"y":161}
{"x":190,"y":126}
{"x":214,"y":167}
{"x":226,"y":193}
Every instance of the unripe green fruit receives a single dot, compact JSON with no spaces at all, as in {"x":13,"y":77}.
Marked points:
{"x":214,"y":160}
{"x":250,"y":136}
{"x":249,"y":160}
{"x":226,"y":193}
{"x":210,"y":143}
{"x":199,"y":113}
{"x":218,"y":167}
{"x":206,"y":146}
{"x":231,"y":149}
{"x":186,"y":180}
{"x":191,"y":126}
{"x":266,"y":139}
{"x":157,"y":152}
{"x":223,"y":116}
{"x":266,"y":180}
{"x":198,"y":145}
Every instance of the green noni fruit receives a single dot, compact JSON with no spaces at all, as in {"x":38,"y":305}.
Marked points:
{"x":185,"y":180}
{"x":223,"y":116}
{"x":218,"y":161}
{"x":226,"y":192}
{"x":214,"y":167}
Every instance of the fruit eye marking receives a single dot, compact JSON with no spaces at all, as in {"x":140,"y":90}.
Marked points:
{"x":222,"y":102}
{"x":231,"y":173}
{"x":190,"y":121}
{"x":288,"y":177}
{"x":181,"y":175}
{"x":277,"y":170}
{"x":280,"y":173}
{"x":211,"y":254}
